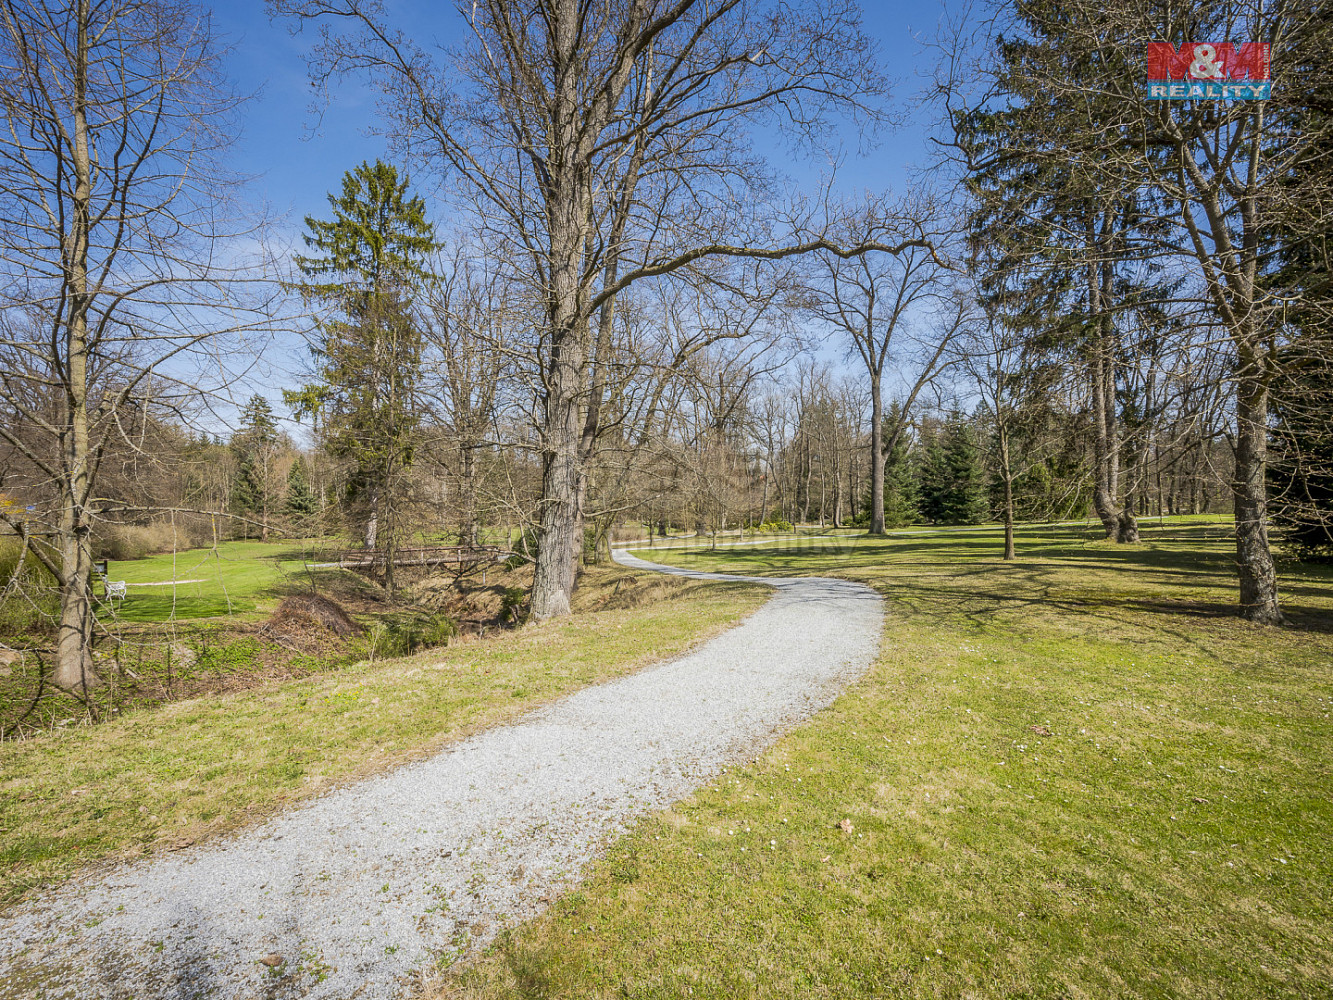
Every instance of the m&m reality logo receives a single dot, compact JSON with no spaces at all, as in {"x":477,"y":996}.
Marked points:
{"x":1203,"y":71}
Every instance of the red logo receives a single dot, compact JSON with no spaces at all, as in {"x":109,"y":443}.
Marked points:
{"x":1208,"y":61}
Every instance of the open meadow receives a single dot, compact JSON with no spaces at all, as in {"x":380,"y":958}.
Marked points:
{"x":1078,"y":775}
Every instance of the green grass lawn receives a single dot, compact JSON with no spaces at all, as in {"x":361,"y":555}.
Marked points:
{"x":171,"y":775}
{"x":233,"y":578}
{"x":1074,"y":776}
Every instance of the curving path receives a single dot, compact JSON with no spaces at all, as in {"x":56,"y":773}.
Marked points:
{"x":357,"y":889}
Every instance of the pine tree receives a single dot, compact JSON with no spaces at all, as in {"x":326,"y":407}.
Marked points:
{"x":370,"y":258}
{"x":302,"y":501}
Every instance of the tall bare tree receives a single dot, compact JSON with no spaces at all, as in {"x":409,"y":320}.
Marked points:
{"x":869,"y":300}
{"x":603,"y":144}
{"x":109,"y":201}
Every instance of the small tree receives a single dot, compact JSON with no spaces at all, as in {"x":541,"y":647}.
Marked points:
{"x":953,"y":482}
{"x":256,"y":445}
{"x":301,"y":503}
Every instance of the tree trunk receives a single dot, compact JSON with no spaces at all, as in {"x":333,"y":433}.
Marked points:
{"x":1007,"y":475}
{"x":73,"y":669}
{"x":1106,"y":452}
{"x":468,"y":532}
{"x":876,"y":458}
{"x":1009,"y":554}
{"x":74,"y":642}
{"x":1254,"y":558}
{"x":1127,"y":525}
{"x":1103,"y":499}
{"x":373,"y":522}
{"x":560,"y":546}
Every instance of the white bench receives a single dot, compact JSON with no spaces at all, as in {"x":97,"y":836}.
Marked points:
{"x":115,"y":590}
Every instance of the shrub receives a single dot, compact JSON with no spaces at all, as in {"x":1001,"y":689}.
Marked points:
{"x":135,"y":541}
{"x":511,"y":605}
{"x":400,"y":635}
{"x":29,"y":598}
{"x":525,"y":550}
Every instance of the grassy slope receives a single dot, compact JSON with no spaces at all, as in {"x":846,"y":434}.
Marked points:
{"x":1171,"y":837}
{"x":172,"y":775}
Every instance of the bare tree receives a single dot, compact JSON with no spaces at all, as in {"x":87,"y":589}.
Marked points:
{"x":467,"y":318}
{"x":604,"y":144}
{"x":869,"y":300}
{"x":109,"y":200}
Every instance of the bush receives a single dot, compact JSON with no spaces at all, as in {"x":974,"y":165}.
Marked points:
{"x":28,"y":594}
{"x":401,"y":635}
{"x":123,"y":542}
{"x":774,"y":526}
{"x":511,"y":605}
{"x":525,"y":550}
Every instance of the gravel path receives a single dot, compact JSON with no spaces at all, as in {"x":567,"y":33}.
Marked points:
{"x":357,"y":889}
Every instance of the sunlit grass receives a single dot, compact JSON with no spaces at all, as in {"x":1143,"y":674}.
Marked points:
{"x":1080,"y":776}
{"x":232,"y":578}
{"x":180,"y":772}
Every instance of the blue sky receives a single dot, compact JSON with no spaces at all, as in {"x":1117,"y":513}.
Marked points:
{"x":297,"y":158}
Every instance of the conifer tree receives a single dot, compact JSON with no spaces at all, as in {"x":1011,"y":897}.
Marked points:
{"x":901,"y":496}
{"x":368,"y":261}
{"x":301,"y":502}
{"x":953,"y":481}
{"x":255,"y":445}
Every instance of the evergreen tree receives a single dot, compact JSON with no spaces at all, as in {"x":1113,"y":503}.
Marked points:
{"x":255,"y":445}
{"x":953,"y":481}
{"x":901,"y":496}
{"x":247,"y":492}
{"x":370,"y":257}
{"x":302,"y":501}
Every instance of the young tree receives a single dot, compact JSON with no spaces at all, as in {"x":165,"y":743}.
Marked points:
{"x":301,"y":503}
{"x":902,"y":495}
{"x":255,"y":444}
{"x":1006,"y":378}
{"x":953,"y":487}
{"x":109,"y":201}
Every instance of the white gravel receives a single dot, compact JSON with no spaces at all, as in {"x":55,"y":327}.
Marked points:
{"x":357,"y":889}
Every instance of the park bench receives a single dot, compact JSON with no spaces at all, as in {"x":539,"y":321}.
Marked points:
{"x":113,"y":590}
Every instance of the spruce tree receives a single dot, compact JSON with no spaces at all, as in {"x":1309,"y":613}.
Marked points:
{"x":368,"y":261}
{"x":302,"y":502}
{"x":901,"y":496}
{"x":953,"y":481}
{"x":255,"y":445}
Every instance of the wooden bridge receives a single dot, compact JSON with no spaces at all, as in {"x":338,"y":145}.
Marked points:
{"x":463,"y":557}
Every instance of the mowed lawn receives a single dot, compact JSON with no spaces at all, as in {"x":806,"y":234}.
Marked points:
{"x":1074,"y":776}
{"x":231,"y":578}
